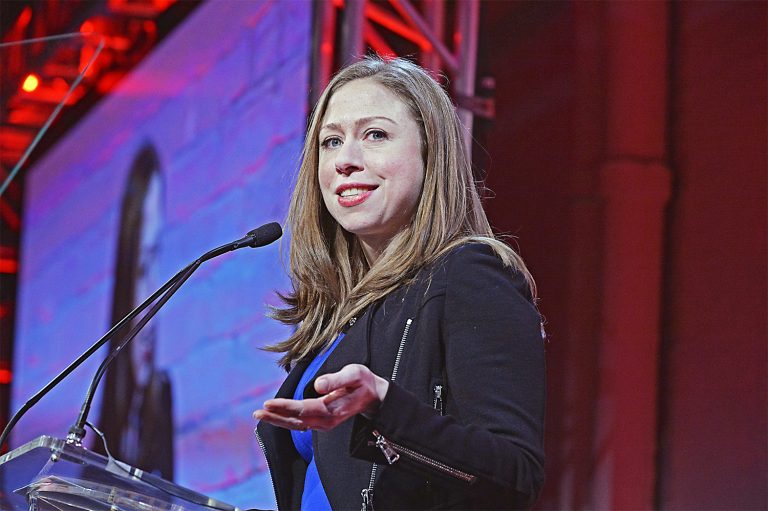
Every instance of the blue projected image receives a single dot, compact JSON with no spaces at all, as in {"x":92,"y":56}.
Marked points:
{"x":195,"y":148}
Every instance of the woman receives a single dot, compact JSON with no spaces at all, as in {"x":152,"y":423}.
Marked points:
{"x":416,"y":370}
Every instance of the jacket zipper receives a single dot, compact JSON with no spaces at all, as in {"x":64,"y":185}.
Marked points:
{"x":367,"y":493}
{"x":438,"y":402}
{"x":269,"y":469}
{"x":395,"y":450}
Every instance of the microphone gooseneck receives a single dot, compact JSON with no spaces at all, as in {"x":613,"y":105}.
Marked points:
{"x":258,"y":237}
{"x":82,"y":358}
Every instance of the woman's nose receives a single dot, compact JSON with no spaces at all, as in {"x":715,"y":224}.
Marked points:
{"x":349,"y":158}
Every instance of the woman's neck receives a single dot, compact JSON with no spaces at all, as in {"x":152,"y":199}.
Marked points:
{"x":372,"y":249}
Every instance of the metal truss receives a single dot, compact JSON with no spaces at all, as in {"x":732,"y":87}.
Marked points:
{"x":441,"y":35}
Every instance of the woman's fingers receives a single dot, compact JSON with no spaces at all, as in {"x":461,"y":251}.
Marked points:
{"x":304,"y":410}
{"x":367,"y":388}
{"x":316,"y":418}
{"x":350,"y":375}
{"x":322,"y":413}
{"x":352,"y":390}
{"x":280,"y":420}
{"x":335,"y":395}
{"x":286,"y":407}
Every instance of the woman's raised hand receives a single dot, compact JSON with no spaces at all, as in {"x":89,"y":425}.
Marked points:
{"x":352,"y":390}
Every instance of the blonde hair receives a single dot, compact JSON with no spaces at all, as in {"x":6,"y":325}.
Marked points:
{"x":331,"y":279}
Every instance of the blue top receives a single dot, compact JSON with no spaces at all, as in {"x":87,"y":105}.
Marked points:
{"x":314,"y":496}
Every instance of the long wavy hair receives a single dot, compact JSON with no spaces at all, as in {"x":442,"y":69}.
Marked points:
{"x":331,"y":278}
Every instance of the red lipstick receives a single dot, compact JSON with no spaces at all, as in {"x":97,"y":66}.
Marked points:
{"x":360,"y":193}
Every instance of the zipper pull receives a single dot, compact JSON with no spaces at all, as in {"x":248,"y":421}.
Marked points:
{"x":438,"y":403}
{"x":367,"y":495}
{"x":389,"y":453}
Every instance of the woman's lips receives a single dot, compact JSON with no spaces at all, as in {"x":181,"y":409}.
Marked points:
{"x":352,"y":195}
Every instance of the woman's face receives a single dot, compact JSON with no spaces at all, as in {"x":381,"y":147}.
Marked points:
{"x":370,"y":167}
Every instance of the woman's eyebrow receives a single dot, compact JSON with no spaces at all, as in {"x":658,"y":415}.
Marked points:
{"x":359,"y":122}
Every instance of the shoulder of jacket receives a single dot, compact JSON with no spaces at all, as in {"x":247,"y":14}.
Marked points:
{"x":469,"y":252}
{"x":477,"y":258}
{"x":432,"y":278}
{"x":458,"y":258}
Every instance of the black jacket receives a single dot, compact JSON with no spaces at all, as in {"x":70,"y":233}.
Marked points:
{"x":463,"y":349}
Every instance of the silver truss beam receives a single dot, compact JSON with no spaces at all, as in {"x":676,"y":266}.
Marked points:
{"x":364,"y":22}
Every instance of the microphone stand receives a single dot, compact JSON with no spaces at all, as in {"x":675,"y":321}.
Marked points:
{"x":77,"y":431}
{"x":258,"y":237}
{"x":87,"y":354}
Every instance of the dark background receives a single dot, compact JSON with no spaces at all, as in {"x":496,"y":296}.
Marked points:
{"x":699,"y":372}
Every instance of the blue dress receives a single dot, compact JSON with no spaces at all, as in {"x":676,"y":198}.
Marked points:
{"x":314,"y":496}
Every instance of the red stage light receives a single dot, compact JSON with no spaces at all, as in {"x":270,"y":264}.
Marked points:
{"x":24,"y":18}
{"x":31,"y":82}
{"x":87,"y":27}
{"x":6,"y":375}
{"x":8,"y":265}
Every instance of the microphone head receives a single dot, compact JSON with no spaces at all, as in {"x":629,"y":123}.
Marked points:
{"x":265,"y":235}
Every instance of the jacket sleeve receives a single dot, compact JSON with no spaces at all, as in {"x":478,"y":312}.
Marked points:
{"x":492,"y":433}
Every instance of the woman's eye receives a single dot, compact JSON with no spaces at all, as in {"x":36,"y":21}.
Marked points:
{"x":331,"y":142}
{"x":377,"y":135}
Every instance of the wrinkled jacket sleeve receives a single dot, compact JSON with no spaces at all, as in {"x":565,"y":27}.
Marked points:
{"x":494,"y":366}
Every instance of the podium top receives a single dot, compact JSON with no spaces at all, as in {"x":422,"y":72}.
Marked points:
{"x":55,"y":473}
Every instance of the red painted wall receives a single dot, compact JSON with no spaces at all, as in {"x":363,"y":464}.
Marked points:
{"x":543,"y":154}
{"x":713,"y":449}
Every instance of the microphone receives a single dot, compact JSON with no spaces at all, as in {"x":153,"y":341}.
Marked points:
{"x":258,"y":237}
{"x":264,"y":235}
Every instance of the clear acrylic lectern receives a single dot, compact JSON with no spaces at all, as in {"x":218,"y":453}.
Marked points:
{"x":48,"y":474}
